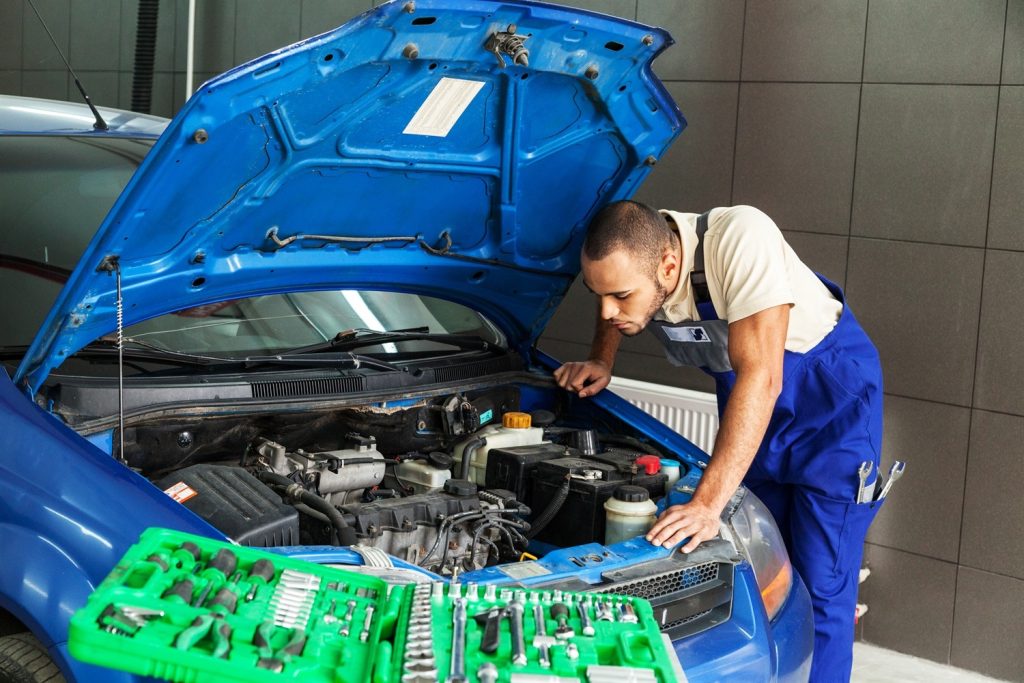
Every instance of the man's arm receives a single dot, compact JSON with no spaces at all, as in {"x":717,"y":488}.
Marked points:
{"x":756,"y":349}
{"x":591,"y":376}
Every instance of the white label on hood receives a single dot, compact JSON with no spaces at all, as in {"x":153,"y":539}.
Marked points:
{"x":443,"y":107}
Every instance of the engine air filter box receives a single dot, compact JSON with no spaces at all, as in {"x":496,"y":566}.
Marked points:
{"x":235,"y":502}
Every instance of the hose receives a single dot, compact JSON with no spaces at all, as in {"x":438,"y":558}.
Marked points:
{"x":544,"y":518}
{"x":346,"y":534}
{"x":468,"y":451}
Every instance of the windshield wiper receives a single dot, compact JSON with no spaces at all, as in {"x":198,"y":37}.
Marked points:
{"x":139,"y":350}
{"x":360,"y":337}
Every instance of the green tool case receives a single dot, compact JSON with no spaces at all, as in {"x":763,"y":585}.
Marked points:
{"x":187,"y":608}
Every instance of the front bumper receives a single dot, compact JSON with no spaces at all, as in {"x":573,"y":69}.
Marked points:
{"x":748,"y":647}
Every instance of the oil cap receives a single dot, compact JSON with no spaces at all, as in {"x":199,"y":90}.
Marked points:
{"x":461,"y":487}
{"x":631,"y":494}
{"x":650,"y":463}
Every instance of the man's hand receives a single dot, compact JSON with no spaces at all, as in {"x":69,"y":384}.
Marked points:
{"x":695,"y":520}
{"x":586,"y":378}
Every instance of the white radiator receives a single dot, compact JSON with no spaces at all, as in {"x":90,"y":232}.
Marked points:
{"x":694,"y":414}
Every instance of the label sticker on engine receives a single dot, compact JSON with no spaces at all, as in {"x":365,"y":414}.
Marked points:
{"x":444,"y":105}
{"x":523,"y":570}
{"x":181,"y":492}
{"x":486,"y":416}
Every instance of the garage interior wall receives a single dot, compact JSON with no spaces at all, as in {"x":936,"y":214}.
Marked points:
{"x":885,"y":137}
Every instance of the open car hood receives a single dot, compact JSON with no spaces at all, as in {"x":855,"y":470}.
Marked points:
{"x":407,"y":150}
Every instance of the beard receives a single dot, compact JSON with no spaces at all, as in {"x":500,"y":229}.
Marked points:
{"x":660,"y":295}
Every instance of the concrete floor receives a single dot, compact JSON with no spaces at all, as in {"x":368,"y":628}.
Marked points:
{"x":873,"y":664}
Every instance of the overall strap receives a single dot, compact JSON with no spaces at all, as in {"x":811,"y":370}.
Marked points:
{"x":698,"y":279}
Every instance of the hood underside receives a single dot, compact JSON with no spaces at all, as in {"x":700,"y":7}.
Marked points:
{"x":416,"y":148}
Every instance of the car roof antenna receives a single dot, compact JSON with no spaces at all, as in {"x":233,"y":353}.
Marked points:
{"x":100,"y":124}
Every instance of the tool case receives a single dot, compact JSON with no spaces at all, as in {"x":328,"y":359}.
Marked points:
{"x":187,"y":608}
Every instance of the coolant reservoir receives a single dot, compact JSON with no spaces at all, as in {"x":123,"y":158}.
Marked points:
{"x":516,"y":429}
{"x":629,"y":512}
{"x":421,"y":476}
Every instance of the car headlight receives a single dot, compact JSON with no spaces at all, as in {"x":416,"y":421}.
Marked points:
{"x":761,"y":543}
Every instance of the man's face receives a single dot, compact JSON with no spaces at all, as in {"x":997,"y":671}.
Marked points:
{"x":629,"y":297}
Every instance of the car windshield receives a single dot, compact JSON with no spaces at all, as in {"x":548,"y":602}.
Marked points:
{"x":55,"y":192}
{"x":282,"y":322}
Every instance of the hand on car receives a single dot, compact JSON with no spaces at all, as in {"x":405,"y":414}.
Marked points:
{"x":585,"y":378}
{"x":694,"y":520}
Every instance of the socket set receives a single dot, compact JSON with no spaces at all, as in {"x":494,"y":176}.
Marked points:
{"x":186,"y":608}
{"x":460,"y":633}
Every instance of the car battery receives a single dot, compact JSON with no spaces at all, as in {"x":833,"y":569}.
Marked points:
{"x":592,"y":481}
{"x":510,"y":468}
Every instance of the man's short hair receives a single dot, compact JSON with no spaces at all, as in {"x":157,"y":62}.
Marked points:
{"x":633,"y":227}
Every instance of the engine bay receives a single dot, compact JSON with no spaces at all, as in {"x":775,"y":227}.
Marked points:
{"x":455,"y":482}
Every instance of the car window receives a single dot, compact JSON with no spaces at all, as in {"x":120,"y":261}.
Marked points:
{"x":281,"y":322}
{"x":55,"y":192}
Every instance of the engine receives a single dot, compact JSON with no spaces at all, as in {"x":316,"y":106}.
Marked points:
{"x":481,"y":482}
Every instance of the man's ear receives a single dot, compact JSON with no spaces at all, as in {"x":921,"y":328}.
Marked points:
{"x":668,"y":268}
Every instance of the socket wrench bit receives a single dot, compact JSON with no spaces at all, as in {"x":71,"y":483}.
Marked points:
{"x":515,"y":609}
{"x":364,"y":635}
{"x":457,"y":668}
{"x":487,"y":673}
{"x":585,"y":623}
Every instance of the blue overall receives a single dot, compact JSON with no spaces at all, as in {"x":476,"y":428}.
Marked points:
{"x":826,"y":422}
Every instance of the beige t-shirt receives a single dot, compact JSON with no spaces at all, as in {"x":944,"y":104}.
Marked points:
{"x":750,"y":268}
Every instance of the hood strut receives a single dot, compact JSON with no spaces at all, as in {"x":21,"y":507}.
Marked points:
{"x":112,"y":264}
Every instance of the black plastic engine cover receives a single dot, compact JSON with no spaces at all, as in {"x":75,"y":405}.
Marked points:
{"x":370,"y":520}
{"x":238,"y":504}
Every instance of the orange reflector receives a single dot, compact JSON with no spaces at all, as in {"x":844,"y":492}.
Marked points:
{"x":774,"y":594}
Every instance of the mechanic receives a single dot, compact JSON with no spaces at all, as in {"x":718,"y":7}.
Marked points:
{"x":798,"y":382}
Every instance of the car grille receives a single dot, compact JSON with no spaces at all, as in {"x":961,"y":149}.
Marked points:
{"x":686,"y":600}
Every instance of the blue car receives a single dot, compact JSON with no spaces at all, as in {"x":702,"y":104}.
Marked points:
{"x":302,"y":316}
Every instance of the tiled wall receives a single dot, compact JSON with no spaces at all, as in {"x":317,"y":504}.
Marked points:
{"x":886,"y":139}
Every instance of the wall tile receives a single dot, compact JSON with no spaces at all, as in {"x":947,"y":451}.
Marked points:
{"x":37,"y":49}
{"x":924,"y":163}
{"x":795,"y":40}
{"x":263,"y":26}
{"x":910,"y":599}
{"x":988,"y":619}
{"x":993,"y":529}
{"x":1000,"y":372}
{"x":925,"y":504}
{"x":795,"y":148}
{"x":95,"y":36}
{"x":214,"y":39}
{"x":51,"y":85}
{"x":319,"y":16}
{"x":1005,"y":230}
{"x":934,"y":41}
{"x":708,"y":35}
{"x":696,"y":173}
{"x":824,"y":254}
{"x":616,"y":8}
{"x":167,"y":96}
{"x":10,"y":82}
{"x":1013,"y":49}
{"x":11,"y":28}
{"x":919,"y":304}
